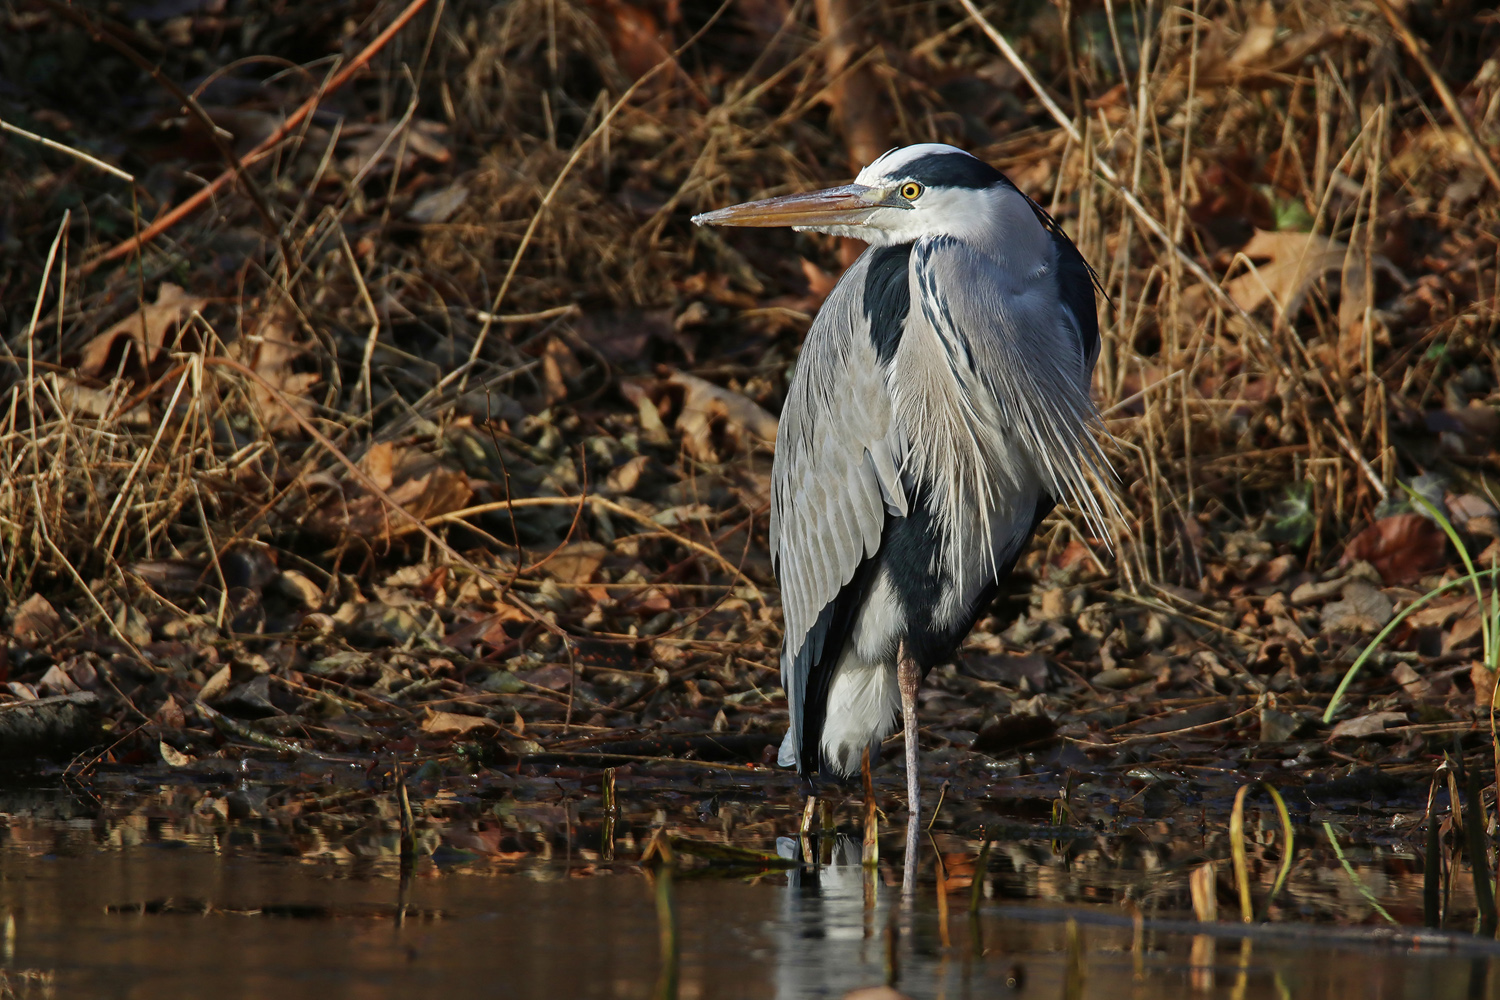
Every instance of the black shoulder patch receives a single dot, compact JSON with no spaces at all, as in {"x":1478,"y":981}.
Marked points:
{"x":953,"y":170}
{"x":887,"y":297}
{"x":1075,"y":288}
{"x":1076,"y":282}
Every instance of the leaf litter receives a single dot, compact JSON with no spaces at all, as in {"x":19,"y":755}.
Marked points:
{"x":461,"y":456}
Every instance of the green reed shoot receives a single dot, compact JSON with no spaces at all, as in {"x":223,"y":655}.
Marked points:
{"x":1489,"y":621}
{"x":1238,"y":853}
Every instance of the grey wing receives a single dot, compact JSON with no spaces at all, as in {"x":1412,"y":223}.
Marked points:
{"x":836,"y":475}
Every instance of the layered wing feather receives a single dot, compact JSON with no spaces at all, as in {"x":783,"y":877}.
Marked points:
{"x":836,"y":477}
{"x":1019,"y":348}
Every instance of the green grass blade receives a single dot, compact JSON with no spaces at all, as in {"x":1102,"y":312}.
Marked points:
{"x":1237,"y":853}
{"x":1359,"y":883}
{"x":1494,"y":661}
{"x":1354,"y":668}
{"x":1463,"y":553}
{"x":1289,"y":848}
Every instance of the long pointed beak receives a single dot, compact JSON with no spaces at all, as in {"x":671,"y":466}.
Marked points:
{"x":849,"y":205}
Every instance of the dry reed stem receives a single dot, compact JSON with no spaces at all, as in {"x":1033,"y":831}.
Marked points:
{"x":1418,"y":52}
{"x":262,"y":149}
{"x":462,"y":373}
{"x":1107,"y":171}
{"x":77,"y":154}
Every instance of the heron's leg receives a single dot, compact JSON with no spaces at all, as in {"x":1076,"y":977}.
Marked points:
{"x":908,"y":677}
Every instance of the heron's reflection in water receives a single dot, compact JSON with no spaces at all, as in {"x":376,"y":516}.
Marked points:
{"x":832,"y":935}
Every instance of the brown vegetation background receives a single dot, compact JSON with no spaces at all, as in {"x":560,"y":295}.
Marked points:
{"x":424,"y":416}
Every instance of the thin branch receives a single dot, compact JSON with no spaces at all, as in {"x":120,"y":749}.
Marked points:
{"x":79,"y":154}
{"x":1414,"y":46}
{"x":1110,"y":174}
{"x":205,"y":194}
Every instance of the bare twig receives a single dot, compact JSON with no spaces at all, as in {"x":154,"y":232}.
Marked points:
{"x":1418,"y":52}
{"x":1109,"y":173}
{"x":462,"y":372}
{"x":77,"y":154}
{"x":201,"y":197}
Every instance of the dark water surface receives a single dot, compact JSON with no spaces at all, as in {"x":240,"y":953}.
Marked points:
{"x":90,"y":912}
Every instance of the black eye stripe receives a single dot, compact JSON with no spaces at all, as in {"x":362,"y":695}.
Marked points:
{"x":957,"y":170}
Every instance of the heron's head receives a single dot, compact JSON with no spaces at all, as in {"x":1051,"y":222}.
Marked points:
{"x":928,"y":189}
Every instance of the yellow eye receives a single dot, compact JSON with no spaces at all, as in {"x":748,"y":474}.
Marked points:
{"x":911,"y":190}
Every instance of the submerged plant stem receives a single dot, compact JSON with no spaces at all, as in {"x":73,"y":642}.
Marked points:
{"x":1479,"y":865}
{"x":666,"y":918}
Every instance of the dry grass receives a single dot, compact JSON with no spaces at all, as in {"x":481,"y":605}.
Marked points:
{"x":475,"y":277}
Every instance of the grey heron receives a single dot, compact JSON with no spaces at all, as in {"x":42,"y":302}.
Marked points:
{"x":939,"y":409}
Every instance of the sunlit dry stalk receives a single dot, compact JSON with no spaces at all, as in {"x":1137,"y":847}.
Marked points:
{"x":461,"y":374}
{"x":78,"y":154}
{"x":123,"y":495}
{"x":203,"y":195}
{"x":1418,"y":52}
{"x":1106,"y":170}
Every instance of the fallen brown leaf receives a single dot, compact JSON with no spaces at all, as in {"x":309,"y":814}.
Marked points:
{"x":173,"y":756}
{"x":101,"y":404}
{"x":1403,"y":548}
{"x":624,"y":478}
{"x":439,"y":206}
{"x":451,"y":723}
{"x":217,"y":684}
{"x":56,"y":681}
{"x":380,"y":464}
{"x":559,"y":367}
{"x":1367,"y":725}
{"x":1465,"y":632}
{"x":819,"y":285}
{"x":145,"y":331}
{"x":1440,"y":615}
{"x":36,"y":620}
{"x":272,"y":353}
{"x":1362,"y":609}
{"x":360,"y":142}
{"x":488,"y":630}
{"x":413,"y":478}
{"x":576,"y":562}
{"x":1483,"y":679}
{"x":1411,"y":682}
{"x":1258,"y":40}
{"x":653,"y":428}
{"x":636,"y":40}
{"x":1256,"y":58}
{"x":1290,"y":263}
{"x":170,"y":715}
{"x":713,"y":413}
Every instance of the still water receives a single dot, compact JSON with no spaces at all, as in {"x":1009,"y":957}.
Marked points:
{"x":84,"y":916}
